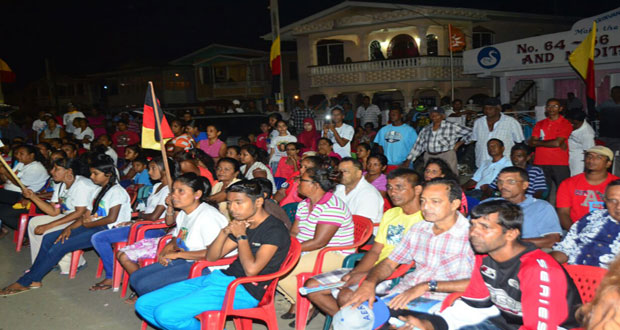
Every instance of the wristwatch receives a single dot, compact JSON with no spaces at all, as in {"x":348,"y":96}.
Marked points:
{"x":432,"y":285}
{"x":240,"y":237}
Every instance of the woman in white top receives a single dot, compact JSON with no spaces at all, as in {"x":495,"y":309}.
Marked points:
{"x":197,"y":225}
{"x":31,"y":172}
{"x":227,"y":172}
{"x":110,"y":206}
{"x":253,"y":167}
{"x":155,"y":207}
{"x":71,"y":197}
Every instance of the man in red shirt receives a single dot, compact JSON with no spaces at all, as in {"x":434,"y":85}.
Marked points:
{"x":582,"y":193}
{"x":550,"y":138}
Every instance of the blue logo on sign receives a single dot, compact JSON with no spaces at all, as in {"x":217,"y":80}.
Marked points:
{"x":489,"y":57}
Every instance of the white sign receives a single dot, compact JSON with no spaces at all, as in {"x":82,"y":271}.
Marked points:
{"x":547,"y":51}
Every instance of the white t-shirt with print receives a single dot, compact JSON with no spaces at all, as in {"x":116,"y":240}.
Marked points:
{"x":199,"y":228}
{"x":346,"y":132}
{"x":275,"y":142}
{"x":34,"y":176}
{"x":80,"y":194}
{"x":117,"y":195}
{"x":157,"y":198}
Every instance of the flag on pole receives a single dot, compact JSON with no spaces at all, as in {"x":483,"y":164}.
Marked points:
{"x":274,"y":63}
{"x":151,"y":136}
{"x":582,"y":61}
{"x":6,"y":74}
{"x":457,"y":39}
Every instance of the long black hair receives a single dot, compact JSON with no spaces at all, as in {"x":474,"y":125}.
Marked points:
{"x":34,"y":150}
{"x":197,"y":182}
{"x":174,"y":166}
{"x":256,"y":153}
{"x":198,"y":155}
{"x":104,"y":164}
{"x":74,"y":164}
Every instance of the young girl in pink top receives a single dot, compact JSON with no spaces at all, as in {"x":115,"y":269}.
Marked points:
{"x":213,"y":146}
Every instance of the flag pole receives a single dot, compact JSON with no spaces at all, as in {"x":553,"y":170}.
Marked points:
{"x":161,"y":138}
{"x":275,"y":33}
{"x":8,"y":168}
{"x":451,"y":62}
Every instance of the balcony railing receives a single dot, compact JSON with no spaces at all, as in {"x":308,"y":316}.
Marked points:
{"x":396,"y":70}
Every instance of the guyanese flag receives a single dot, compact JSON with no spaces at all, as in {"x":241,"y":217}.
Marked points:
{"x":6,"y":74}
{"x":274,"y":63}
{"x":151,"y":136}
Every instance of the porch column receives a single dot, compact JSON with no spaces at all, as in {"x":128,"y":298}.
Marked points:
{"x":422,"y":29}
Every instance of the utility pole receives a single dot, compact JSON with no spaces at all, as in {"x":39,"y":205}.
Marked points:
{"x":275,"y":34}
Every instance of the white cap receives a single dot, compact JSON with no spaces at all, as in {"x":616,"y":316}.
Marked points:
{"x":236,"y":102}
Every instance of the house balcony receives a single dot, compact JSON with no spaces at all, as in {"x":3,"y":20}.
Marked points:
{"x":425,"y":68}
{"x":242,"y":89}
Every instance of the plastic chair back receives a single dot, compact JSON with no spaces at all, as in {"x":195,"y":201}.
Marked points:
{"x":586,"y":279}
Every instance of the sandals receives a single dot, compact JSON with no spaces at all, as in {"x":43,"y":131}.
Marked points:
{"x":11,"y":292}
{"x":100,"y":287}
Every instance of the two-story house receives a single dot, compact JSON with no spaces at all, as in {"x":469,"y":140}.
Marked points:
{"x":395,"y":52}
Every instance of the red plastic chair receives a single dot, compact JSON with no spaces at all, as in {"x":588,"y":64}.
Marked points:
{"x":196,"y":271}
{"x":24,"y":218}
{"x":162,"y":242}
{"x":586,"y":279}
{"x":136,"y":234}
{"x":362,"y":232}
{"x":75,"y":259}
{"x":265,"y":310}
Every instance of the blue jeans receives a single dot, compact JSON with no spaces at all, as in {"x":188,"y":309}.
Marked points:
{"x":176,"y":305}
{"x":102,"y":242}
{"x":50,"y":253}
{"x":157,"y":276}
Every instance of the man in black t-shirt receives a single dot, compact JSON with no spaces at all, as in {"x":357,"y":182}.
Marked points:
{"x":262,"y":242}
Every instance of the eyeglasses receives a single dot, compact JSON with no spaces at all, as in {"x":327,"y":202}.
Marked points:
{"x":510,"y":182}
{"x":553,"y":106}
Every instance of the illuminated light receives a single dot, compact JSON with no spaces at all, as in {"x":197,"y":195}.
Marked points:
{"x":384,"y":44}
{"x":176,"y":74}
{"x":105,"y":86}
{"x":296,"y":97}
{"x":417,"y":41}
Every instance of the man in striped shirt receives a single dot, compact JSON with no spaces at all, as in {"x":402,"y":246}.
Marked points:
{"x":368,"y":113}
{"x":520,"y":156}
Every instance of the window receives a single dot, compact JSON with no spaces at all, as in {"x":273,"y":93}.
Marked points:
{"x":329,"y":52}
{"x":375,"y":51}
{"x":292,"y":69}
{"x":431,"y":45}
{"x":482,"y":37}
{"x":402,"y":46}
{"x":205,"y":75}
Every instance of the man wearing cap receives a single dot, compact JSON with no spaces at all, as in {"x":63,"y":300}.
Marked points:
{"x":494,"y":124}
{"x":238,"y":108}
{"x":396,"y":139}
{"x":583,"y":193}
{"x":550,"y":138}
{"x":593,"y":240}
{"x":441,"y":139}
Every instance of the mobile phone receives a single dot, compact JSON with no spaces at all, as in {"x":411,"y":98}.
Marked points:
{"x":328,"y":118}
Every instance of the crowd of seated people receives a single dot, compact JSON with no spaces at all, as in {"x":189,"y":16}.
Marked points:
{"x":507,"y":229}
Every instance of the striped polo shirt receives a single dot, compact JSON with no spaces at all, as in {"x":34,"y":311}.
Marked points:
{"x":329,"y":210}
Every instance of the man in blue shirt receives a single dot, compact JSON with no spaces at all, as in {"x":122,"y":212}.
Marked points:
{"x":595,"y":239}
{"x":541,"y":224}
{"x":520,"y":156}
{"x":396,"y":140}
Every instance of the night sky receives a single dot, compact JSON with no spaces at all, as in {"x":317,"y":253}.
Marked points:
{"x":95,"y":36}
